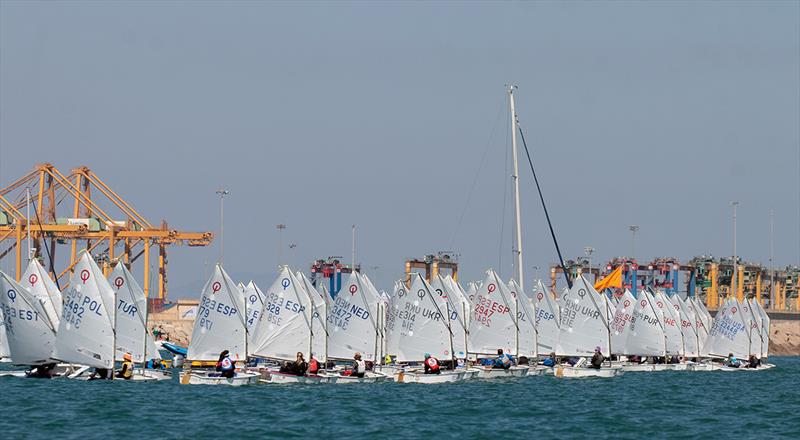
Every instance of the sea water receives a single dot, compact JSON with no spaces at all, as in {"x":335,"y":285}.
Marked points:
{"x":670,"y":404}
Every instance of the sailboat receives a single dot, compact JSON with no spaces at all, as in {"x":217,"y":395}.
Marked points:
{"x":765,"y":323}
{"x":353,"y":328}
{"x":130,"y":317}
{"x":456,"y":308}
{"x":29,"y":329}
{"x":526,"y":326}
{"x":494,"y":326}
{"x":672,"y":330}
{"x":584,"y":326}
{"x":321,"y":306}
{"x":285,"y":328}
{"x":547,"y":318}
{"x":687,"y":324}
{"x":644,"y":334}
{"x":422,"y":326}
{"x":86,"y":329}
{"x":729,"y":333}
{"x":220,"y":325}
{"x":254,"y":299}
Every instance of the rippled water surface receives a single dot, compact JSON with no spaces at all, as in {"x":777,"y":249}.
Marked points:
{"x":636,"y":405}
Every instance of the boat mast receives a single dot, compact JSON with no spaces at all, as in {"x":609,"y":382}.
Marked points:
{"x":517,"y":219}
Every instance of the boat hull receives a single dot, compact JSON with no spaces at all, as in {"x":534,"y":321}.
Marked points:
{"x":203,"y":378}
{"x":370,"y":377}
{"x":637,"y":368}
{"x":498,"y":373}
{"x":570,"y":371}
{"x":421,"y":377}
{"x":283,"y":378}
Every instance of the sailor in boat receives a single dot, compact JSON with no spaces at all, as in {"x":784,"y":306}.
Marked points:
{"x":731,"y":361}
{"x":359,"y":366}
{"x":551,"y":360}
{"x":597,"y":359}
{"x":313,"y":365}
{"x":225,"y":365}
{"x":44,"y":371}
{"x":503,"y":360}
{"x":100,"y":374}
{"x":126,"y":372}
{"x":753,"y":362}
{"x":431,"y":364}
{"x":154,"y":364}
{"x":297,"y":368}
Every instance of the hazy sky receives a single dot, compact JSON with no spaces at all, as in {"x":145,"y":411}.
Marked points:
{"x":321,"y":115}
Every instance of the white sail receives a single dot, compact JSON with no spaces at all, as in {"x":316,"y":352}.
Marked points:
{"x":420,"y":325}
{"x":493,"y":325}
{"x":671,"y":323}
{"x":547,"y":319}
{"x":756,"y":341}
{"x":393,"y":322}
{"x":285,"y":324}
{"x":452,"y":307}
{"x":254,"y":300}
{"x":702,"y":313}
{"x":320,"y":307}
{"x":764,"y":330}
{"x":5,"y":351}
{"x":30,"y":334}
{"x":620,"y":323}
{"x":583,"y":325}
{"x":220,"y":322}
{"x":38,"y":282}
{"x":352,"y":325}
{"x":525,"y":321}
{"x":687,"y":324}
{"x":645,"y":331}
{"x":86,"y":330}
{"x":472,"y":294}
{"x":728,"y":333}
{"x":131,"y":318}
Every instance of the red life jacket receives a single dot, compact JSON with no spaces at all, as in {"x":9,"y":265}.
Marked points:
{"x":313,"y":366}
{"x":432,"y":363}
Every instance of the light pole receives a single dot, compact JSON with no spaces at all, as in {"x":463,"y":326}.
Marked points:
{"x":222,"y":193}
{"x":771,"y":256}
{"x":280,"y":227}
{"x":633,"y":229}
{"x":735,"y":261}
{"x":589,"y":250}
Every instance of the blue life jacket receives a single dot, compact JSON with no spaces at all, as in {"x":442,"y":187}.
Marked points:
{"x":227,"y":364}
{"x":549,"y":363}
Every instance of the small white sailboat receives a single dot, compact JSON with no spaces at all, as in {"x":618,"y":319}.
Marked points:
{"x":493,"y":326}
{"x":584,"y":326}
{"x":30,"y":331}
{"x":729,"y":334}
{"x":548,"y":316}
{"x":86,"y":330}
{"x":422,"y":327}
{"x":130,"y":315}
{"x":285,"y":328}
{"x":527,"y":337}
{"x":220,"y":325}
{"x":353,"y":328}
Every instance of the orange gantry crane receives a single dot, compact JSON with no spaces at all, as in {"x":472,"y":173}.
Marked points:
{"x":50,"y":208}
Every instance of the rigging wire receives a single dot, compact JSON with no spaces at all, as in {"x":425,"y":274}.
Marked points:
{"x":46,"y":247}
{"x":477,"y":175}
{"x":544,"y":206}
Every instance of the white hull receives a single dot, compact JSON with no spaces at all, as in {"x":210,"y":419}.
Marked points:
{"x":704,"y":366}
{"x":569,"y":371}
{"x":636,"y":368}
{"x":283,"y":378}
{"x":539,"y":370}
{"x":369,"y":377}
{"x":497,"y":373}
{"x":204,"y":378}
{"x":660,"y":367}
{"x":149,"y":374}
{"x":677,"y":367}
{"x":421,"y":377}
